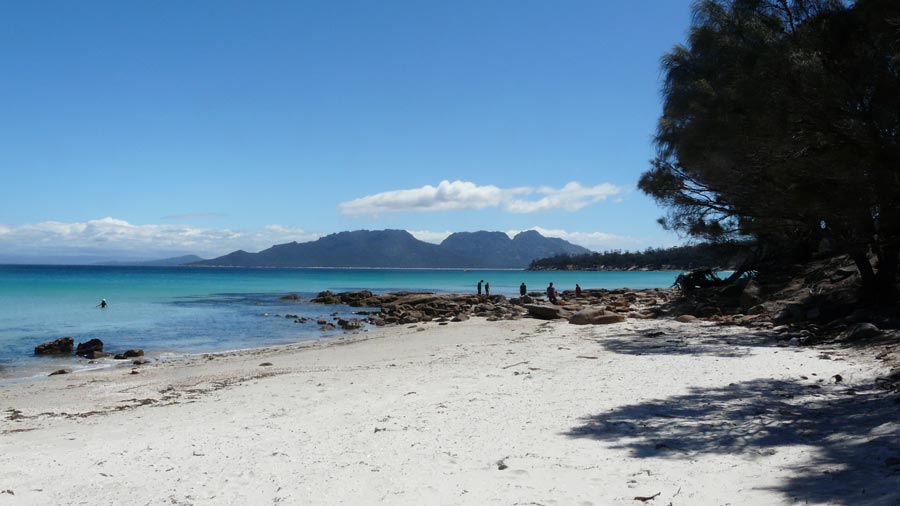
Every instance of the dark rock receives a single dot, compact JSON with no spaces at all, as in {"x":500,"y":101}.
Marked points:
{"x":686,"y":318}
{"x":134,"y":353}
{"x":547,"y":312}
{"x":140,"y":362}
{"x":757,"y":309}
{"x":328,"y":326}
{"x":94,"y":345}
{"x":292,"y":296}
{"x":61,"y":371}
{"x":94,"y":354}
{"x":61,"y":346}
{"x":265,"y":364}
{"x":351,"y":324}
{"x":322,"y":321}
{"x":863,"y":331}
{"x":460,"y":318}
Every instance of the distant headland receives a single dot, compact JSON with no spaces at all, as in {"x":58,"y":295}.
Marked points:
{"x":399,"y":249}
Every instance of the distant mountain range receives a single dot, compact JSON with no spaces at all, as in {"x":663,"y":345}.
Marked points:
{"x":399,"y":249}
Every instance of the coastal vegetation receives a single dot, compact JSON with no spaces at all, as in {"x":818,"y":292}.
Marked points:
{"x":675,"y":258}
{"x":781,"y":126}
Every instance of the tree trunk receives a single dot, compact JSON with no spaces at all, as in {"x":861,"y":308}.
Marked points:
{"x":866,"y":273}
{"x":886,"y":278}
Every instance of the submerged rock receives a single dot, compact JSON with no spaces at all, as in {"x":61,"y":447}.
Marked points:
{"x":351,"y":324}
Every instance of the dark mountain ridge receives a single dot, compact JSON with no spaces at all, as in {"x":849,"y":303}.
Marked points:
{"x":399,"y":249}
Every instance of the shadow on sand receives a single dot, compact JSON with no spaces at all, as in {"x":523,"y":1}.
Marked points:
{"x":854,"y":434}
{"x":686,"y":341}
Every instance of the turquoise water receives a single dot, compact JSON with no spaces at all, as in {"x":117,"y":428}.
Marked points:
{"x":191,"y":310}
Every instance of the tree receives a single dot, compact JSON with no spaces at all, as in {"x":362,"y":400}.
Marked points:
{"x":781,"y":122}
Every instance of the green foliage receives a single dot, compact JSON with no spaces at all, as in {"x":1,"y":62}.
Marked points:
{"x":676,"y":258}
{"x":781,"y":122}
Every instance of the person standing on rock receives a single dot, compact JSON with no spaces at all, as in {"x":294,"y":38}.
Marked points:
{"x":522,"y":289}
{"x":479,"y":287}
{"x":551,"y":293}
{"x":487,"y":289}
{"x":577,"y":290}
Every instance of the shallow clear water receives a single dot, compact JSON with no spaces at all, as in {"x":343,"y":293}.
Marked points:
{"x":190,"y":310}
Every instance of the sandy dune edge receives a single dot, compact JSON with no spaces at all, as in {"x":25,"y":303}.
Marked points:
{"x":511,"y":412}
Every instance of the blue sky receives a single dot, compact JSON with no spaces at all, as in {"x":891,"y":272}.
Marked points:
{"x":150,"y":128}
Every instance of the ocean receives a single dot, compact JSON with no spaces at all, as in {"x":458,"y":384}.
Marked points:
{"x":173,"y":311}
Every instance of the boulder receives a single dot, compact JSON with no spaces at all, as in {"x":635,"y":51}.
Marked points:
{"x":61,"y":346}
{"x":595,"y":316}
{"x":686,"y":318}
{"x":547,"y":312}
{"x":460,"y":318}
{"x":292,"y":296}
{"x":862,"y":331}
{"x":328,"y":326}
{"x":94,"y":345}
{"x":94,"y":354}
{"x":751,"y":295}
{"x":585,"y":316}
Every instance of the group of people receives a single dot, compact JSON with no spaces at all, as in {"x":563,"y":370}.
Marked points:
{"x":487,"y":288}
{"x":523,"y":290}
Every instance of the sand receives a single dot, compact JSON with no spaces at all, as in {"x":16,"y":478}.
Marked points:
{"x":471,"y":413}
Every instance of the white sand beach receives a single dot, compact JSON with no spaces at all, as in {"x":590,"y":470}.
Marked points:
{"x":473,"y":413}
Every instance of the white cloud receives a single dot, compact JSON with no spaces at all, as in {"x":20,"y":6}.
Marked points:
{"x":111,"y":237}
{"x":467,"y":195}
{"x":570,"y":197}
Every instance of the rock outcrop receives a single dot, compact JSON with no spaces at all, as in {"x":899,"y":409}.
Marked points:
{"x":406,"y":308}
{"x":61,"y":346}
{"x":89,"y":348}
